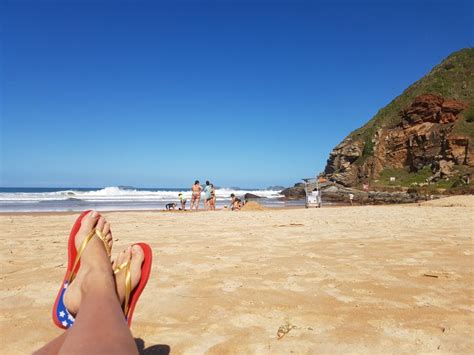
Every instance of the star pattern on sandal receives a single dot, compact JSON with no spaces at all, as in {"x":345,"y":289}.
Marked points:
{"x":64,"y":317}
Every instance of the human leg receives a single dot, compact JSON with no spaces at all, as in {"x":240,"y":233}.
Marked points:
{"x":93,"y":290}
{"x":100,"y":326}
{"x":85,"y":340}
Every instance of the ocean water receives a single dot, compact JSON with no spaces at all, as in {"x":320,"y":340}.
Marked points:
{"x":116,"y":198}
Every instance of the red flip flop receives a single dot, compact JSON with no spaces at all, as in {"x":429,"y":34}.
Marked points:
{"x":132,"y":296}
{"x":60,"y":318}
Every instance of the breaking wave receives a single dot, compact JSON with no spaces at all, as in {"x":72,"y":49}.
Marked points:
{"x":116,"y":193}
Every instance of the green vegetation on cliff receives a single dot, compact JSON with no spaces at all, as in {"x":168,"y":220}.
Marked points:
{"x":453,"y":79}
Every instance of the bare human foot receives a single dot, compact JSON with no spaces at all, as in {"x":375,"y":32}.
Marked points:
{"x":135,"y":255}
{"x":94,"y":259}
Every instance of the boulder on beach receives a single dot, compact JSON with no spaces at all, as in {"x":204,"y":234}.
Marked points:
{"x":249,"y":196}
{"x":294,"y":193}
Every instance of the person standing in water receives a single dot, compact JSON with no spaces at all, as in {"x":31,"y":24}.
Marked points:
{"x":196,"y":195}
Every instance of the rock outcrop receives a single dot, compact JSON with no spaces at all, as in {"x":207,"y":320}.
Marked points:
{"x":430,"y":126}
{"x":424,"y":137}
{"x":339,"y":193}
{"x":294,"y":193}
{"x":249,"y":196}
{"x":334,"y":192}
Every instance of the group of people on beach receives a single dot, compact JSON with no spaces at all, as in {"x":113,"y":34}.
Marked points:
{"x":209,"y":192}
{"x":209,"y":195}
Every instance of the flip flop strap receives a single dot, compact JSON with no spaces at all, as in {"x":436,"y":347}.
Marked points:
{"x":128,"y":283}
{"x":102,"y":237}
{"x":121,"y":267}
{"x":79,"y":253}
{"x":81,"y":249}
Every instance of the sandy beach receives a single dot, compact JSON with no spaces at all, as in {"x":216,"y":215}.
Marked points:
{"x":362,"y":279}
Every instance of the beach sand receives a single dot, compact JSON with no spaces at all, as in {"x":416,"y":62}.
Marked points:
{"x":362,"y":279}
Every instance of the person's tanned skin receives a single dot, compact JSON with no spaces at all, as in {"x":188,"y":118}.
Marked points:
{"x":94,"y":295}
{"x":196,"y":195}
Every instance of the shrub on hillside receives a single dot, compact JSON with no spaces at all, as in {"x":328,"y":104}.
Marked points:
{"x":469,"y":114}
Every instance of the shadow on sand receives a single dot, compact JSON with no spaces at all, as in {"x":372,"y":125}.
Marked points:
{"x":159,"y":349}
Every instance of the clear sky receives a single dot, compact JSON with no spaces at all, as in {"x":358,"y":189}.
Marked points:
{"x":244,"y":93}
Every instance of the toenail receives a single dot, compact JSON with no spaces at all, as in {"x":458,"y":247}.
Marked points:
{"x":95,"y":213}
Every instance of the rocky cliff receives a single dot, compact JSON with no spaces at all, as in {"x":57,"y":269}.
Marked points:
{"x":430,"y":127}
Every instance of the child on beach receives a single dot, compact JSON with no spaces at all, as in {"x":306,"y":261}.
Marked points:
{"x":235,"y":203}
{"x":182,"y":200}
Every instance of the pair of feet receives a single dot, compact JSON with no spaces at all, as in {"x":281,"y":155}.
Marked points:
{"x":96,"y":264}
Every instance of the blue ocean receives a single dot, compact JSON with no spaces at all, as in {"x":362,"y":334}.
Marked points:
{"x":115,"y":198}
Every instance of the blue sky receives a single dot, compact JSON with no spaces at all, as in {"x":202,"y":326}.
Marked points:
{"x":157,"y":94}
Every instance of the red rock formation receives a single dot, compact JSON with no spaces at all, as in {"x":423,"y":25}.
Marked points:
{"x":423,"y":138}
{"x":431,"y":108}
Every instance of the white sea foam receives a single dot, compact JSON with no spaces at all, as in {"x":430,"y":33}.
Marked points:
{"x":114,"y":193}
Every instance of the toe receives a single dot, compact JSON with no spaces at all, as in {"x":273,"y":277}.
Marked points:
{"x":100,"y":224}
{"x":121,"y":258}
{"x":137,"y":253}
{"x":106,"y":228}
{"x":109,"y":240}
{"x":138,"y":256}
{"x":117,"y":260}
{"x":127,"y":254}
{"x":90,"y":219}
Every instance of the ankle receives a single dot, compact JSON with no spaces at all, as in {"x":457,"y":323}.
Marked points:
{"x":96,"y":279}
{"x":96,"y":253}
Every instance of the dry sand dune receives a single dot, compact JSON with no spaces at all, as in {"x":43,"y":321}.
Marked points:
{"x":385,"y":279}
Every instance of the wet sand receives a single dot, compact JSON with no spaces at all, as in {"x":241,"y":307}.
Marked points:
{"x":362,"y":279}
